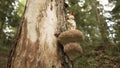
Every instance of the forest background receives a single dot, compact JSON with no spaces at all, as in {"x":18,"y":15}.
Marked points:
{"x":99,"y":20}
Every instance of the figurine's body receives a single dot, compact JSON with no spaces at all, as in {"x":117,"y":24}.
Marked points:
{"x":71,"y":22}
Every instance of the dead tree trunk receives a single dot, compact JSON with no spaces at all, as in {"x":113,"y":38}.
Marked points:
{"x":37,"y":45}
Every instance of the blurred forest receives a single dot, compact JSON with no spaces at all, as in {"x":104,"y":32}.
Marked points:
{"x":98,"y":20}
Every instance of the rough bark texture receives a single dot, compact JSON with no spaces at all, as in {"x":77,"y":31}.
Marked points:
{"x":37,"y":46}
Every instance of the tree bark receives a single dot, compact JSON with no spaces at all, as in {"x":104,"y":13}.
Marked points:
{"x":37,"y":45}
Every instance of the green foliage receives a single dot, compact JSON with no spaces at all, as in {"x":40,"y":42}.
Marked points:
{"x":10,"y":13}
{"x":115,"y":12}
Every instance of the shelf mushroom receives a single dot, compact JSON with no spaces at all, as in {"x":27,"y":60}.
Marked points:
{"x":70,"y":40}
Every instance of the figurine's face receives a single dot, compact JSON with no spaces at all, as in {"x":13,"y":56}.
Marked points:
{"x":70,"y":17}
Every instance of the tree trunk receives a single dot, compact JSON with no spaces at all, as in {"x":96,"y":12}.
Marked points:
{"x":37,"y":45}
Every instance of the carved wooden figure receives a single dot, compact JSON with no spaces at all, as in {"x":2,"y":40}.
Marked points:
{"x":71,"y":24}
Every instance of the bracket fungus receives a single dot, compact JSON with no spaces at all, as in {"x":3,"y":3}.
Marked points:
{"x":73,"y":50}
{"x":70,"y":40}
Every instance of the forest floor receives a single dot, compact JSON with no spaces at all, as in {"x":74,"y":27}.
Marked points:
{"x":93,"y":57}
{"x":99,"y":57}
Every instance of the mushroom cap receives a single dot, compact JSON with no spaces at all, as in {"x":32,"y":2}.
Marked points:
{"x":73,"y":50}
{"x":70,"y":36}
